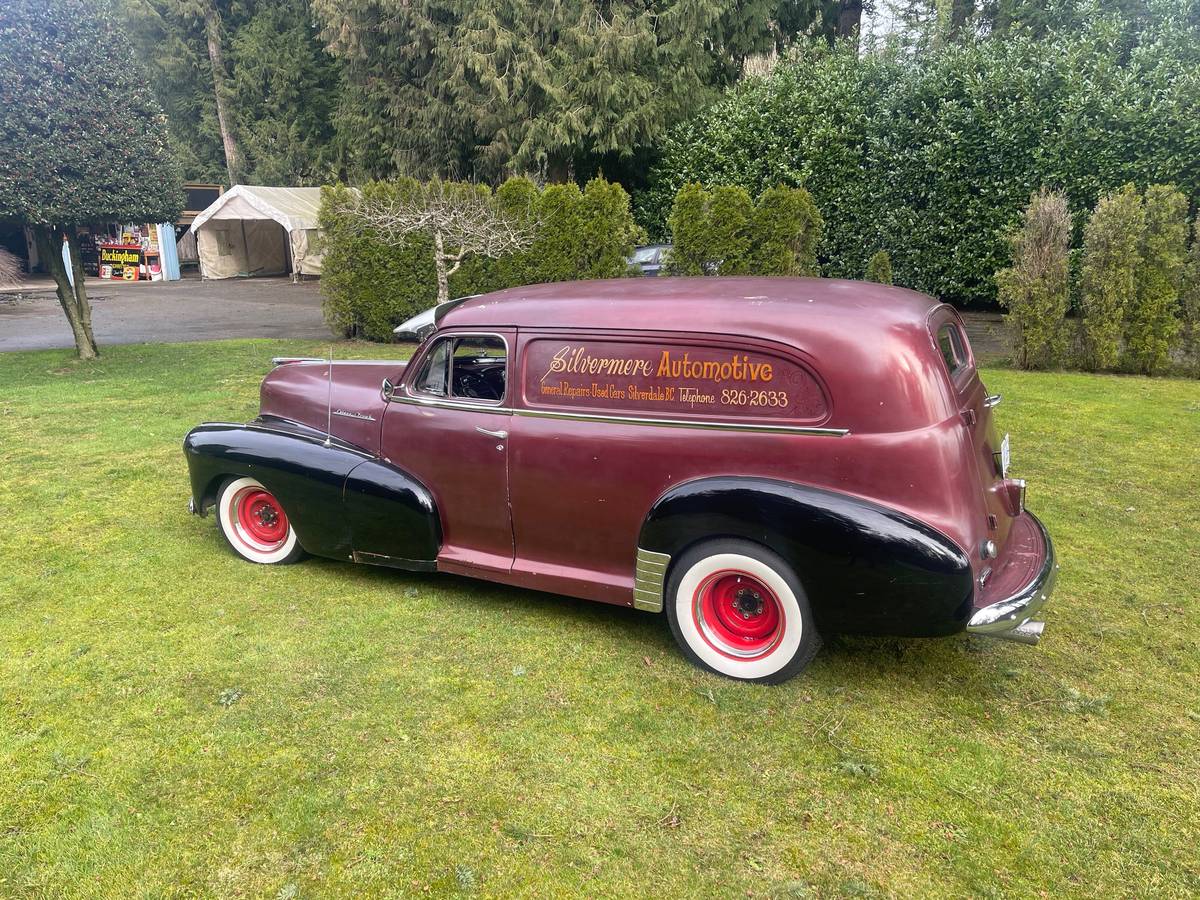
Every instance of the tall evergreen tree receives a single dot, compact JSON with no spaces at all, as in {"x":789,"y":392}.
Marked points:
{"x":478,"y":89}
{"x":81,"y":138}
{"x":243,"y":83}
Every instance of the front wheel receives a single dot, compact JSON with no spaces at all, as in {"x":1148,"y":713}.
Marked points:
{"x":254,"y":524}
{"x":738,"y":609}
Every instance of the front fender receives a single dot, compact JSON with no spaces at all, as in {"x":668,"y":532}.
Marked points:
{"x":339,"y":498}
{"x":866,"y":568}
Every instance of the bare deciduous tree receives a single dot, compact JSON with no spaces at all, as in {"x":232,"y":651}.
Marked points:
{"x":462,"y":219}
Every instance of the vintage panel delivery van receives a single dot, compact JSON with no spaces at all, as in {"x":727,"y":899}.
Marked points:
{"x":763,"y":459}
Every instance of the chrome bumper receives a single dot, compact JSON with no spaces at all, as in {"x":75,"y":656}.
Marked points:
{"x":1012,"y":618}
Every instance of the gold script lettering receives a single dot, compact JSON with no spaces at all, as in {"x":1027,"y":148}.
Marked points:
{"x":739,"y":368}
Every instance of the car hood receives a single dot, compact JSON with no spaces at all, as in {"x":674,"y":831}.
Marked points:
{"x":347,"y":401}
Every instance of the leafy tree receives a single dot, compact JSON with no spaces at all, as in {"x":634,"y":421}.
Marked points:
{"x":81,"y":138}
{"x":1151,"y":324}
{"x":283,"y":91}
{"x":279,"y":88}
{"x":1035,"y":289}
{"x":1112,"y":241}
{"x":879,"y":268}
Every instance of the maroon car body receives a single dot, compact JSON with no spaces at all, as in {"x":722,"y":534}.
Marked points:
{"x":582,"y":438}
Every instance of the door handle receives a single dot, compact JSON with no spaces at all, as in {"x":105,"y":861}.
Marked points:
{"x":992,"y":401}
{"x":501,"y":434}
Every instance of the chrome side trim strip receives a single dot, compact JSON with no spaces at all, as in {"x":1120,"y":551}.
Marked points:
{"x":414,"y":400}
{"x":649,"y":575}
{"x":621,"y":420}
{"x":394,"y":562}
{"x":683,"y":423}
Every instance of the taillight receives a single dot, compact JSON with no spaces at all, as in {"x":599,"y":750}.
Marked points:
{"x":1013,"y":492}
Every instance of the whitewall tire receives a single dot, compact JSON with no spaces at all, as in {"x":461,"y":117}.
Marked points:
{"x":254,"y":524}
{"x":737,"y":609}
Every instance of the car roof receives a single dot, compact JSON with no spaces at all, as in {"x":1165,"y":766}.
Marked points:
{"x":796,"y":310}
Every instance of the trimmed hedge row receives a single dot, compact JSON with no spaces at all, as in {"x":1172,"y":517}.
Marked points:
{"x":933,"y":156}
{"x":370,"y":287}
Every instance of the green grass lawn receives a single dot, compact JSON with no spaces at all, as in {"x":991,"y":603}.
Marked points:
{"x":176,"y":721}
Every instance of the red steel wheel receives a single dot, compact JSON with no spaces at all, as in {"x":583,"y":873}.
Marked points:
{"x":254,"y":524}
{"x":738,"y":609}
{"x":738,"y":614}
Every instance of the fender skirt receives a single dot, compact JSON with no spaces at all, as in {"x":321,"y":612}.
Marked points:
{"x":866,"y":568}
{"x":343,"y":502}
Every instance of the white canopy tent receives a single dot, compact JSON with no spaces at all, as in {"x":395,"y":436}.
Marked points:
{"x":259,"y":231}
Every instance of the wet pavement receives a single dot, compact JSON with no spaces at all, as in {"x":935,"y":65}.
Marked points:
{"x":187,"y":310}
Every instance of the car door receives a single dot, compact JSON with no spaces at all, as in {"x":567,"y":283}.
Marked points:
{"x":447,"y":425}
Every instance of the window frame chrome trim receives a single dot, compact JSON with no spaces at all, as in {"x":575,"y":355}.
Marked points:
{"x":421,"y":399}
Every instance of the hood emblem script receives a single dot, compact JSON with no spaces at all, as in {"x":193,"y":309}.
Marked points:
{"x":345,"y":413}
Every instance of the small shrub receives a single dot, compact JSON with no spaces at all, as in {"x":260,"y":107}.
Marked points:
{"x":722,"y":232}
{"x":879,"y":268}
{"x":730,"y":212}
{"x":710,"y":231}
{"x":1151,"y":324}
{"x":1112,"y":242}
{"x":1189,"y":301}
{"x":1035,"y":289}
{"x":786,"y":229}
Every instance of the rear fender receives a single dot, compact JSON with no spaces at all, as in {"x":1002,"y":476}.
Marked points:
{"x":866,"y":568}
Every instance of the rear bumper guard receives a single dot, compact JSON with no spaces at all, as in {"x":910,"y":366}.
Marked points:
{"x":1012,"y":618}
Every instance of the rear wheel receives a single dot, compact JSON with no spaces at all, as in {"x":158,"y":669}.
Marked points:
{"x":254,"y":524}
{"x":738,"y":609}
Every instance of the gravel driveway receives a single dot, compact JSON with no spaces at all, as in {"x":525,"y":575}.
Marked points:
{"x":188,"y":310}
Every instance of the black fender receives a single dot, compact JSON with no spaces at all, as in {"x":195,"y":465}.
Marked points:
{"x":343,"y":502}
{"x":866,"y":568}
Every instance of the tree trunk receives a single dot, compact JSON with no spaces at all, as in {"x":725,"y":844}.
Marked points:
{"x":439,"y":259}
{"x":212,"y":31}
{"x":559,"y":170}
{"x":960,"y":12}
{"x":73,"y":300}
{"x":849,"y":18}
{"x":81,"y":296}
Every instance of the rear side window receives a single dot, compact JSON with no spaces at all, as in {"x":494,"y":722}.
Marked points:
{"x":954,"y":351}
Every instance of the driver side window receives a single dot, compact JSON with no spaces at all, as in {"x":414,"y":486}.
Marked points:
{"x":470,"y":368}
